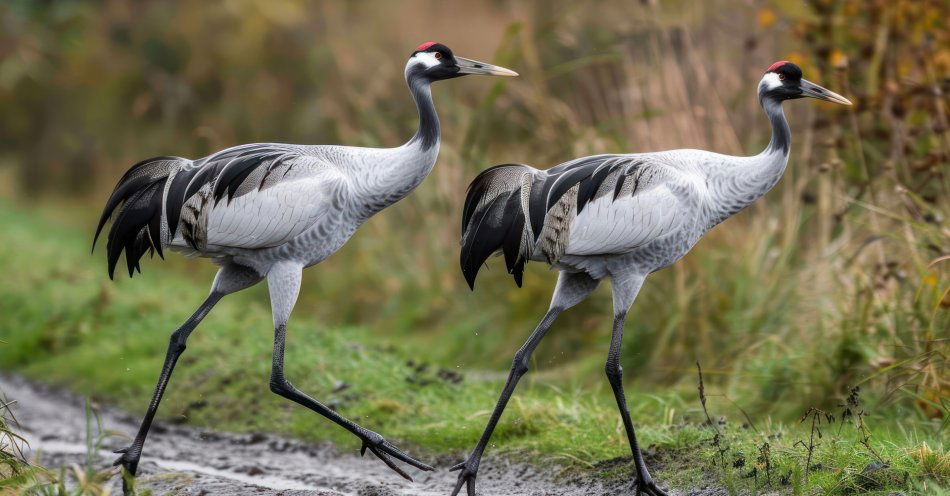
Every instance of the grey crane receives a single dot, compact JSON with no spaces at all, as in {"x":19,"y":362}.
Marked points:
{"x":621,"y":217}
{"x":269,"y":210}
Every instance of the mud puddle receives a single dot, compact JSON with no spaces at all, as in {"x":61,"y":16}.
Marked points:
{"x":188,"y":460}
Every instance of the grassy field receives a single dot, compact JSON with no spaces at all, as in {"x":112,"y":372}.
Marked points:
{"x":838,"y":278}
{"x":64,"y":322}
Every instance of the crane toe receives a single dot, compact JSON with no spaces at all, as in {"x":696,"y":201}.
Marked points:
{"x":389,"y":463}
{"x":649,"y":488}
{"x":383,"y":450}
{"x":469,"y":472}
{"x":129,"y":460}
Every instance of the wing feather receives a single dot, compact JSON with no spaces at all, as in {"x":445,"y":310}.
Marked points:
{"x":610,"y":226}
{"x":277,"y":214}
{"x":598,"y":205}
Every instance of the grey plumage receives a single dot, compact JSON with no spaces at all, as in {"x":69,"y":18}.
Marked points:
{"x":549,"y":203}
{"x":665,"y":200}
{"x":269,"y":210}
{"x":620,"y":217}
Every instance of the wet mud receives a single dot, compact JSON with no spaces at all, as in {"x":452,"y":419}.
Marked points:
{"x":186,"y":460}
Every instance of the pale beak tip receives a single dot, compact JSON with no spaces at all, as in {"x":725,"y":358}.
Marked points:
{"x":840,"y":100}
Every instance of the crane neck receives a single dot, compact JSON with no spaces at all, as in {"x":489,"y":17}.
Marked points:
{"x":781,"y":134}
{"x":421,"y":89}
{"x":740,"y":181}
{"x":392,"y":173}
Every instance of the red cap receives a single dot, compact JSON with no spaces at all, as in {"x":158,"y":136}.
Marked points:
{"x":425,"y":46}
{"x":776,"y":65}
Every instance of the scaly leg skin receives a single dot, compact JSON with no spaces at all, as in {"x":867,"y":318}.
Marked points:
{"x":645,"y":485}
{"x":625,"y":291}
{"x":381,"y":448}
{"x":130,"y":464}
{"x":519,"y":366}
{"x":176,"y":345}
{"x":371,"y":441}
{"x":469,"y":471}
{"x":571,"y":289}
{"x":283,"y":282}
{"x":229,"y":279}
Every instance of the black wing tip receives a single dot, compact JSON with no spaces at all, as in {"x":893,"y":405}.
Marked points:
{"x":130,"y":231}
{"x":471,"y":274}
{"x":496,"y":226}
{"x":103,"y":219}
{"x":517,"y":271}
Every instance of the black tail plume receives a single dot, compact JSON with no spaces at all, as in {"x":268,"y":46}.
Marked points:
{"x":493,"y":220}
{"x":138,"y":224}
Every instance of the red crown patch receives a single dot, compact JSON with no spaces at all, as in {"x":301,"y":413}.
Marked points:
{"x":776,"y":65}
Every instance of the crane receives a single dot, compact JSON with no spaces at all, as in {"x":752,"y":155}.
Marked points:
{"x":619,"y":216}
{"x":267,"y":211}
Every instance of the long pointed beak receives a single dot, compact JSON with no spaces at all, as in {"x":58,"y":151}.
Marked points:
{"x":813,"y":90}
{"x":469,"y":66}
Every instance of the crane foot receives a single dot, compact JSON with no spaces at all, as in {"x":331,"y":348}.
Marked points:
{"x":468,"y":472}
{"x":130,"y":464}
{"x":383,"y":449}
{"x":649,"y":488}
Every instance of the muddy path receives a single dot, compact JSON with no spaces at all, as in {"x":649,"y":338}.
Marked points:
{"x":187,"y":460}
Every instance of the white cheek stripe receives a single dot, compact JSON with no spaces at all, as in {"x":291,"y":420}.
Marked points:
{"x":427,"y":59}
{"x":771,"y":80}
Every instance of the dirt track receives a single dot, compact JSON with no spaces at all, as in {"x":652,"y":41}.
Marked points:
{"x":185,"y":460}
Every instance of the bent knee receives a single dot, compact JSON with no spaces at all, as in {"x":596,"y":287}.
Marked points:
{"x":613,"y":370}
{"x":176,"y":343}
{"x":281,"y":386}
{"x":520,"y":364}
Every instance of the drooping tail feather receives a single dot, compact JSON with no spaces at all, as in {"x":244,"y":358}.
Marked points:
{"x":493,"y":220}
{"x":138,"y":224}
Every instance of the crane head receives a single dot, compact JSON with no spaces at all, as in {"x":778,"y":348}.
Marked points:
{"x":783,"y":81}
{"x":436,"y":61}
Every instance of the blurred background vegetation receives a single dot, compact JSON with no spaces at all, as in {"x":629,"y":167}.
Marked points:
{"x":839,"y":277}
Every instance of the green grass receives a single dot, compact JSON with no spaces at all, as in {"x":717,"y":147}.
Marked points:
{"x":19,"y":475}
{"x":64,"y":322}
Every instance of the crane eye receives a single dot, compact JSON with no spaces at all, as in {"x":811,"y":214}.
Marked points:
{"x":437,"y":55}
{"x":781,"y":76}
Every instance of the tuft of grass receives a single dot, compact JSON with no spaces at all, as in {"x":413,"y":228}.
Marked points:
{"x":933,"y":463}
{"x":21,"y":476}
{"x":13,"y":465}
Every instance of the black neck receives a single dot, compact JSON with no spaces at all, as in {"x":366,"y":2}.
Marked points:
{"x":428,"y":132}
{"x":781,"y":134}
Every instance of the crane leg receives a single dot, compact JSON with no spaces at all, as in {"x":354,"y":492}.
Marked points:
{"x":625,"y":291}
{"x":572,"y":288}
{"x":283,"y":282}
{"x":230,"y":278}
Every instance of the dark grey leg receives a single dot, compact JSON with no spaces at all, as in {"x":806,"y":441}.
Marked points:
{"x":519,"y":366}
{"x":284,"y":284}
{"x":228,"y":280}
{"x":624,"y":294}
{"x":571,"y":289}
{"x":176,"y":345}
